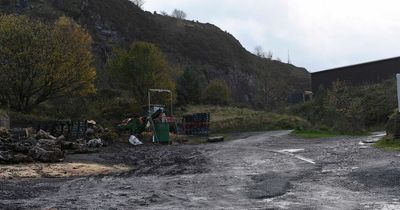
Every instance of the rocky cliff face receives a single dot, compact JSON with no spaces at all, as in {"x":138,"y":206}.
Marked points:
{"x":217,"y":53}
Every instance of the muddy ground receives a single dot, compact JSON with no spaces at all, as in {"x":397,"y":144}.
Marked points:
{"x":270,"y":170}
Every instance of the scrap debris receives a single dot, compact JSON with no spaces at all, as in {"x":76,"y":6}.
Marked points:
{"x":43,"y":147}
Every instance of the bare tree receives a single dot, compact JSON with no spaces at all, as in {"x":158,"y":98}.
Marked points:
{"x":179,"y":14}
{"x":269,"y":55}
{"x":259,"y":51}
{"x":138,"y":3}
{"x":164,"y":13}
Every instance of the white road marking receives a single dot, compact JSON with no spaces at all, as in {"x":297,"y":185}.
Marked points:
{"x":304,"y":159}
{"x":291,"y":151}
{"x":372,"y":139}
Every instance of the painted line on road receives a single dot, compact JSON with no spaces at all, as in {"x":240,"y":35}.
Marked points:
{"x":304,"y":159}
{"x":290,"y":153}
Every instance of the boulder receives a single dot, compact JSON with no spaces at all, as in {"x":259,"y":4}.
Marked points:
{"x":46,"y":156}
{"x":22,"y":158}
{"x":4,"y":133}
{"x":23,"y":147}
{"x":41,"y":134}
{"x":94,"y":143}
{"x":6,"y":156}
{"x":48,"y":144}
{"x":69,"y":145}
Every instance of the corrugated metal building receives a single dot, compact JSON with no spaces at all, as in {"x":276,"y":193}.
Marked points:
{"x":359,"y":74}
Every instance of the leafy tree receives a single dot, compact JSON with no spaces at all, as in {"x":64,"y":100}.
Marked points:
{"x":217,"y":93}
{"x":190,"y":86}
{"x":39,"y":62}
{"x":179,"y":14}
{"x":143,"y":66}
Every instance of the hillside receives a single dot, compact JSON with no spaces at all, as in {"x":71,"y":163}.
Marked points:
{"x":254,"y":81}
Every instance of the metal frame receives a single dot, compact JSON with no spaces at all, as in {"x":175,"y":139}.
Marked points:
{"x":159,"y":91}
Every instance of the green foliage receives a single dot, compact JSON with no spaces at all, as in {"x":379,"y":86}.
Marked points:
{"x":217,"y":93}
{"x":141,"y":67}
{"x":388,"y":144}
{"x":234,"y":119}
{"x":349,"y":110}
{"x":39,"y":62}
{"x":312,"y":134}
{"x":190,"y":86}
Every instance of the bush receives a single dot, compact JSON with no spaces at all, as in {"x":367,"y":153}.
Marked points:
{"x":349,"y":110}
{"x":217,"y":93}
{"x":190,"y":86}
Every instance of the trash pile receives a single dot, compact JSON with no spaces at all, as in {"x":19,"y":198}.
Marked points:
{"x":43,"y":147}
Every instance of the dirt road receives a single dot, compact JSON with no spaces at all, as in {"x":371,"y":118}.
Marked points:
{"x":270,"y":170}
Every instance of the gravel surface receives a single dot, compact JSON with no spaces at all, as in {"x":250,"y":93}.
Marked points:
{"x":269,"y":170}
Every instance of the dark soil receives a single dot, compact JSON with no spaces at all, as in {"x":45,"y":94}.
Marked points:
{"x":270,"y":170}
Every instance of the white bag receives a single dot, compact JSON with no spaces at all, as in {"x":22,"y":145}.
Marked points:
{"x":134,"y":141}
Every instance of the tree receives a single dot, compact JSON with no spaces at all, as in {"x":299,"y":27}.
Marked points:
{"x":217,"y":93}
{"x":141,"y":67}
{"x":190,"y":86}
{"x":269,"y":55}
{"x":39,"y":62}
{"x":179,"y":14}
{"x":138,"y":3}
{"x":259,"y":52}
{"x":163,"y":13}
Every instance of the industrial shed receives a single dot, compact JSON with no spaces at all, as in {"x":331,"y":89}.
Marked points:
{"x":359,"y":74}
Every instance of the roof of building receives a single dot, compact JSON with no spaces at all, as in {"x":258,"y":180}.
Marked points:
{"x":360,"y":64}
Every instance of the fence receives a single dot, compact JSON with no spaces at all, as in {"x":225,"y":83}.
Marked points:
{"x":197,"y":124}
{"x":70,"y":129}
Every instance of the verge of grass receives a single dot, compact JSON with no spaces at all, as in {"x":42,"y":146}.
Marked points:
{"x":388,"y":144}
{"x":234,"y":119}
{"x":314,"y":134}
{"x":318,"y":134}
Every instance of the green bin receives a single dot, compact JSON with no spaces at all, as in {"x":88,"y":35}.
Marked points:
{"x":161,"y":132}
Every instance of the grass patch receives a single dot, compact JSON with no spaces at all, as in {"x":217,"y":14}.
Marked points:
{"x":234,"y":119}
{"x":388,"y":144}
{"x":314,"y":134}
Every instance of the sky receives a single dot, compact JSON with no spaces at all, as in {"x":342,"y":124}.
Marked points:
{"x":317,"y":34}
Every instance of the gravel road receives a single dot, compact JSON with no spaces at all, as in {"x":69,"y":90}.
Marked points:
{"x":269,"y":170}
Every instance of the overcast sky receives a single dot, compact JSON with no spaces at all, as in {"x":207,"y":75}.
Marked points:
{"x":320,"y":34}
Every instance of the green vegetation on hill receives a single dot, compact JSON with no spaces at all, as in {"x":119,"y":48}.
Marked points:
{"x":253,"y":81}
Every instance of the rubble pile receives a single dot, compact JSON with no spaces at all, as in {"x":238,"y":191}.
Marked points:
{"x":42,"y":147}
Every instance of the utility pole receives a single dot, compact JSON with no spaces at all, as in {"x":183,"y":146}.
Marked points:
{"x":288,"y":59}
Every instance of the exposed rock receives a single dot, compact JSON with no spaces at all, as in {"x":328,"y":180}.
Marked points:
{"x":43,"y":147}
{"x":44,"y":135}
{"x":69,"y":145}
{"x":46,"y":156}
{"x":6,"y":156}
{"x":4,"y":133}
{"x":95,"y":143}
{"x":23,"y":147}
{"x":49,"y":144}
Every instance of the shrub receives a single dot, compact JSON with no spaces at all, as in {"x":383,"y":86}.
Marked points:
{"x":217,"y":93}
{"x":190,"y":86}
{"x":349,"y":110}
